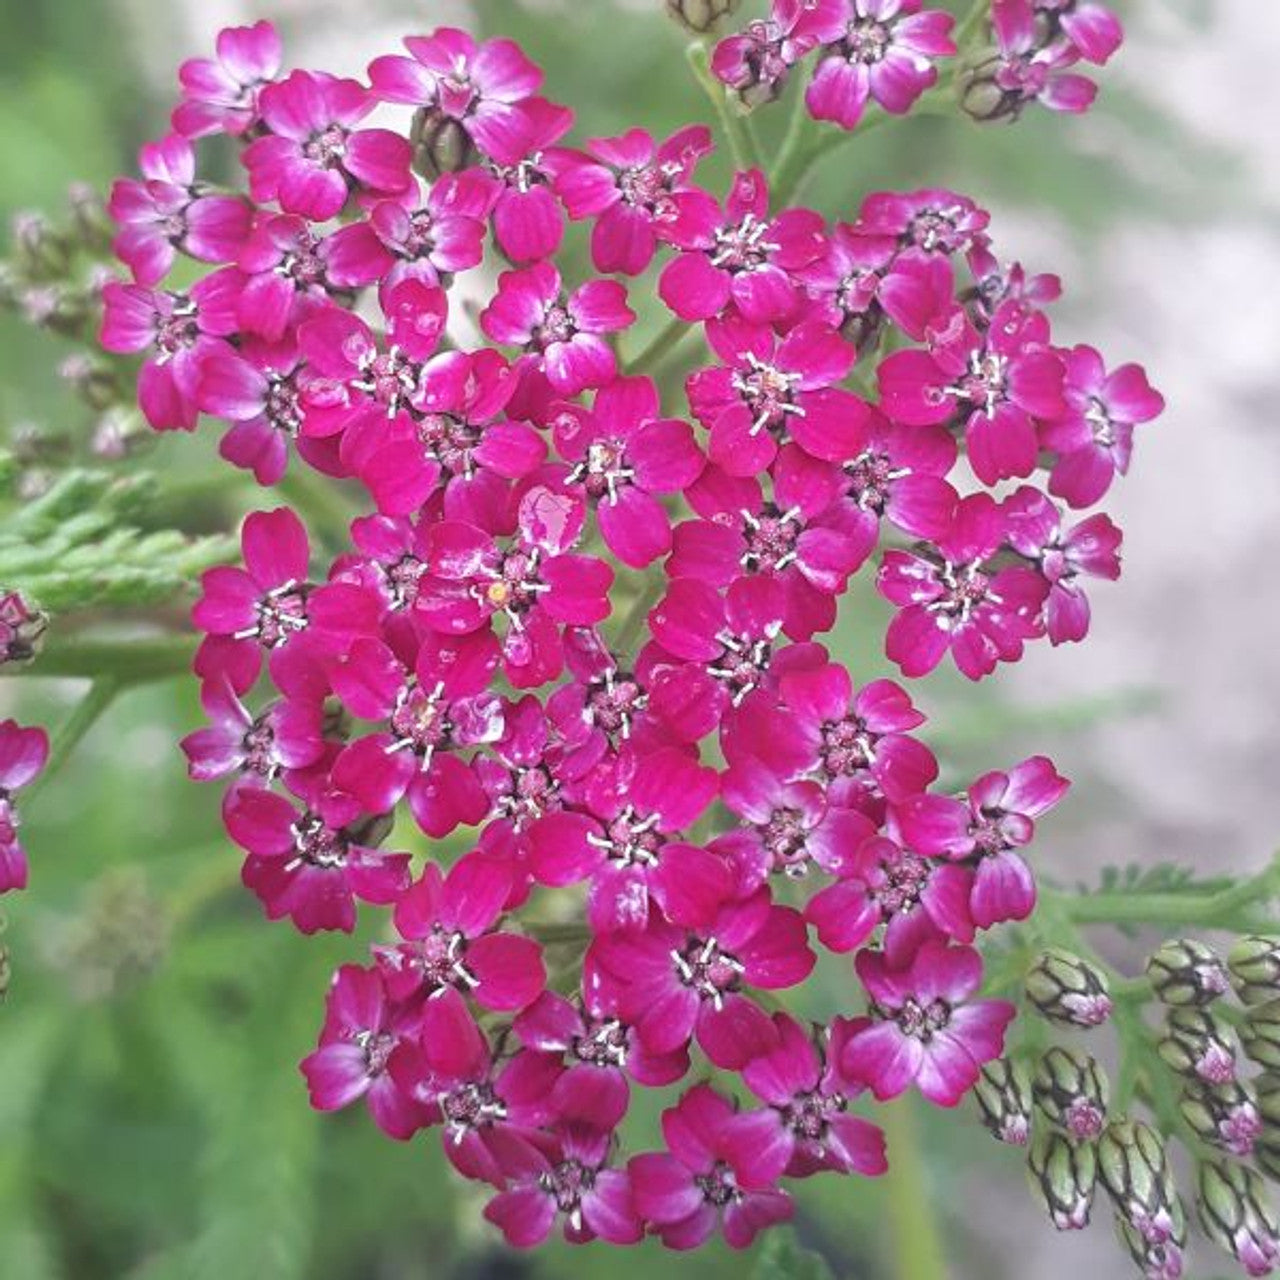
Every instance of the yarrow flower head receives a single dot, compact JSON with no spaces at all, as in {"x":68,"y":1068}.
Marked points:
{"x":580,"y":631}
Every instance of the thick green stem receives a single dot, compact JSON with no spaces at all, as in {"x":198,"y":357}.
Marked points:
{"x":126,"y":661}
{"x":735,"y":130}
{"x":971,"y":23}
{"x":88,"y":711}
{"x":1232,"y":907}
{"x":916,"y":1241}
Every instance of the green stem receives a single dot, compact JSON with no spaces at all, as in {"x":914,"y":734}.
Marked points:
{"x":666,"y":340}
{"x":1227,"y":907}
{"x":88,"y":711}
{"x":971,"y":22}
{"x":735,"y":131}
{"x":917,"y":1244}
{"x":633,"y":622}
{"x":126,"y":661}
{"x":322,"y":504}
{"x":553,"y":932}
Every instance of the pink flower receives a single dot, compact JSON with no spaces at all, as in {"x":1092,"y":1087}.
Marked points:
{"x":564,"y":1177}
{"x":269,"y":603}
{"x":625,"y":453}
{"x":528,"y":223}
{"x":806,"y":1127}
{"x":952,"y":599}
{"x":432,"y":711}
{"x":532,"y":581}
{"x":1092,"y":29}
{"x":312,"y":155}
{"x":710,"y":650}
{"x":999,"y":383}
{"x":628,"y":844}
{"x":1094,"y":438}
{"x":915,"y":898}
{"x":997,"y":820}
{"x":427,"y":238}
{"x":771,"y":392}
{"x":672,"y":983}
{"x":1089,"y":549}
{"x":484,"y":87}
{"x":23,"y":754}
{"x":885,"y":53}
{"x":167,"y":213}
{"x":757,"y":61}
{"x":740,"y":255}
{"x":686,"y":1192}
{"x":363,"y":1031}
{"x":310,"y":866}
{"x":286,"y":277}
{"x":450,"y":940}
{"x":933,"y":220}
{"x":817,"y":724}
{"x":632,"y":188}
{"x":289,"y":734}
{"x":220,"y":95}
{"x":925,"y":1029}
{"x":1031,"y":69}
{"x":176,"y":331}
{"x":563,"y":335}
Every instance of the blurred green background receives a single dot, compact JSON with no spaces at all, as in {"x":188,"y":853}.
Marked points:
{"x":152,"y":1121}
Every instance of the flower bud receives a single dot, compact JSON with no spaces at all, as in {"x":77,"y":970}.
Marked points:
{"x":701,"y":16}
{"x":1162,"y":1261}
{"x":441,"y":144}
{"x":92,"y":380}
{"x":1063,"y":1175}
{"x":1198,"y":1043}
{"x":1003,"y":1094}
{"x":1254,"y":962}
{"x":1133,"y":1165}
{"x":1260,"y":1034}
{"x":1070,"y":1090}
{"x":22,"y":628}
{"x":90,"y":219}
{"x":1067,"y":990}
{"x":38,"y":247}
{"x":1223,"y":1115}
{"x":1266,"y":1151}
{"x":1186,"y":972}
{"x":1236,"y":1216}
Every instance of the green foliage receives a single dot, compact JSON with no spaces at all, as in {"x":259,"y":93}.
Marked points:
{"x":783,"y":1257}
{"x":1160,"y":877}
{"x":83,"y":544}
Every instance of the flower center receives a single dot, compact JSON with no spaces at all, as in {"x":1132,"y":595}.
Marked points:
{"x":557,"y":326}
{"x":613,"y":702}
{"x":471,"y":1106}
{"x":921,"y":1021}
{"x":420,"y":239}
{"x":282,"y":407}
{"x":966,"y":588}
{"x":178,"y":330}
{"x":808,"y":1115}
{"x":438,"y":959}
{"x":904,"y":880}
{"x":390,"y":378}
{"x":402,"y":580}
{"x":933,"y":229}
{"x":718,"y":1186}
{"x":281,"y":613}
{"x":317,"y":844}
{"x":771,"y":539}
{"x":741,"y":667}
{"x":847,"y":748}
{"x":531,"y":793}
{"x":303,"y":263}
{"x":328,"y":148}
{"x":377,"y":1046}
{"x":420,"y":722}
{"x":451,"y":441}
{"x":631,"y":840}
{"x":603,"y":470}
{"x":870,"y":476}
{"x":706,"y":970}
{"x":785,"y":838}
{"x":567,"y":1183}
{"x":768,"y":392}
{"x":259,"y":747}
{"x":645,"y":187}
{"x":744,"y":247}
{"x":604,"y":1045}
{"x":867,"y":41}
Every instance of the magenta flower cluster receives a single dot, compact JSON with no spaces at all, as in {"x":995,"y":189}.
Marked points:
{"x":884,"y":52}
{"x":582,"y":624}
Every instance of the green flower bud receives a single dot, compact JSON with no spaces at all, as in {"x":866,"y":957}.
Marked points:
{"x":1223,"y":1115}
{"x":1186,"y":972}
{"x":1133,"y":1165}
{"x":1070,"y":1090}
{"x":1266,"y":1151}
{"x":701,"y":16}
{"x":1260,"y":1034}
{"x":1254,"y":963}
{"x":1199,"y":1043}
{"x":92,"y":223}
{"x":1236,"y":1216}
{"x":441,"y":144}
{"x":1003,"y":1094}
{"x":1068,"y":990}
{"x":1156,"y":1259}
{"x":1063,"y":1175}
